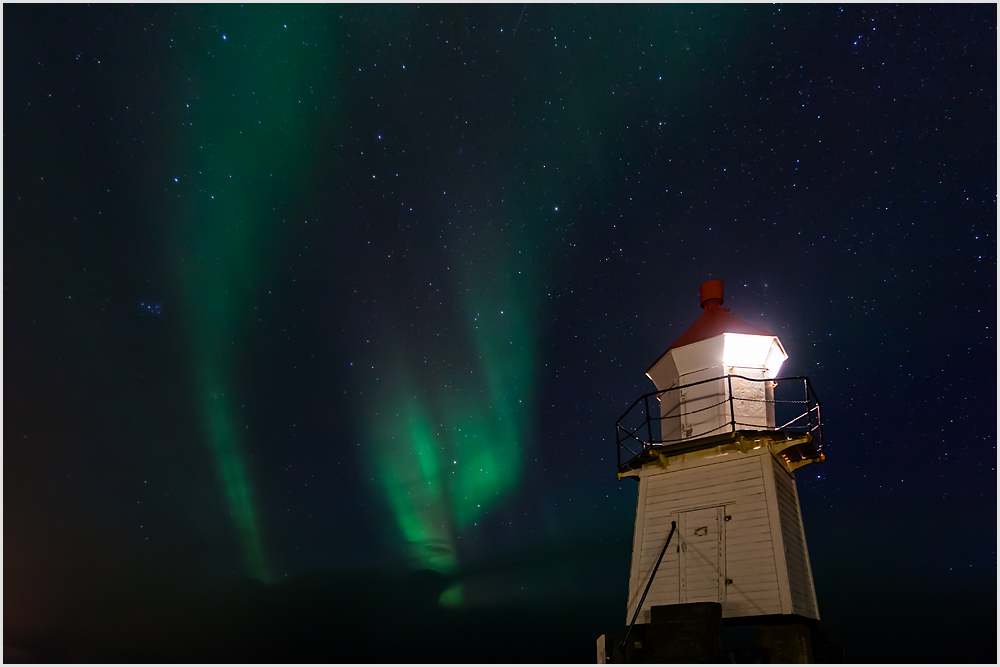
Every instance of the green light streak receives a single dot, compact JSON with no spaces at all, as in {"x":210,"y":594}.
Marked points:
{"x":501,"y":325}
{"x":453,"y":456}
{"x":246,"y":117}
{"x":412,"y":478}
{"x":226,"y":447}
{"x":502,"y":335}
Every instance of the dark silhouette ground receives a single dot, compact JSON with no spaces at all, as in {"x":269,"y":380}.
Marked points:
{"x":375,"y":617}
{"x":340,"y":618}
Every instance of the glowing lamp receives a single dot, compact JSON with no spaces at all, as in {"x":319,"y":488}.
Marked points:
{"x":753,"y":352}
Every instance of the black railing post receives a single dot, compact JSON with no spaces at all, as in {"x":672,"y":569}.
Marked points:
{"x":618,"y":447}
{"x":673,"y":526}
{"x":732,"y":410}
{"x":819,"y":415}
{"x":805,"y":389}
{"x":649,"y":423}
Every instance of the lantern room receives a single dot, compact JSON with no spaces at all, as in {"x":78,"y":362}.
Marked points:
{"x":717,"y":384}
{"x":723,"y":368}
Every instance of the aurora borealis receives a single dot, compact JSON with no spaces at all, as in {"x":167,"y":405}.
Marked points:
{"x":314,"y":312}
{"x":477,"y":419}
{"x":244,"y":122}
{"x":454,"y":455}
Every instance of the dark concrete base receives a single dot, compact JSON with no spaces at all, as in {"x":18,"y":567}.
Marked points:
{"x":697,"y":633}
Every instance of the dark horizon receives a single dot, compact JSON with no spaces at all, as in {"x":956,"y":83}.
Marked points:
{"x":339,"y":618}
{"x":318,"y":319}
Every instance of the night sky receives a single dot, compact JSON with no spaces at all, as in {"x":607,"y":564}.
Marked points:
{"x":318,"y":319}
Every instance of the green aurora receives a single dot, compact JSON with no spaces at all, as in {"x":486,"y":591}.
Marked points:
{"x":451,"y":450}
{"x":245,"y":118}
{"x":447,"y":459}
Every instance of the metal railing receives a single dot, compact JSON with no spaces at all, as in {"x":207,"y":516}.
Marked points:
{"x":638,"y":608}
{"x":784,"y":404}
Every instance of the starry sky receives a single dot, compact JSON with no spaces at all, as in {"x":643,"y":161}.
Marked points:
{"x":318,"y":319}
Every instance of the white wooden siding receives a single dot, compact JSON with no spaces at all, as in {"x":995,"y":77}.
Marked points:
{"x":704,"y":408}
{"x":793,"y":537}
{"x":760,"y":549}
{"x":750,"y":561}
{"x":731,"y":487}
{"x":749,"y":403}
{"x":637,"y":541}
{"x":670,"y":415}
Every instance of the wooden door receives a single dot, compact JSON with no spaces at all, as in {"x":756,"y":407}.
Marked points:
{"x":702,"y":555}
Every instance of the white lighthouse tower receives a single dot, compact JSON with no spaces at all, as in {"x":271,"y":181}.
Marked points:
{"x":714,"y":450}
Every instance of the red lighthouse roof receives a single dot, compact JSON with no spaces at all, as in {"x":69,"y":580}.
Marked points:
{"x":716,"y":319}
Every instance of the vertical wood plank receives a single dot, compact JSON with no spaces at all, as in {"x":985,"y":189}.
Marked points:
{"x":777,"y":544}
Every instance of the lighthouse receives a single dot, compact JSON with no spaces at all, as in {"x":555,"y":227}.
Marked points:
{"x":714,"y":449}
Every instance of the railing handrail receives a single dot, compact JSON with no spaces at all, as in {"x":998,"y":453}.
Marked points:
{"x":720,"y":377}
{"x":809,"y":423}
{"x":638,"y":608}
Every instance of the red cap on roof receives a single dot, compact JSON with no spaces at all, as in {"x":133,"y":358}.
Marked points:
{"x":716,"y":319}
{"x":710,"y":290}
